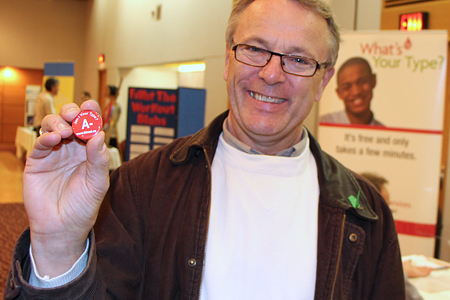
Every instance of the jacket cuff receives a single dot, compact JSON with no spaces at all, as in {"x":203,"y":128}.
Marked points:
{"x":17,"y":283}
{"x":46,"y":282}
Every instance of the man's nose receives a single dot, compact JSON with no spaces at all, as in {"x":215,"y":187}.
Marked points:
{"x":355,"y":89}
{"x":273,"y":73}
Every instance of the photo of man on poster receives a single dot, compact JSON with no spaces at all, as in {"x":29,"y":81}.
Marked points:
{"x":355,"y":84}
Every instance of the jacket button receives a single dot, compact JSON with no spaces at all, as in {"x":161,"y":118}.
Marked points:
{"x":353,"y":237}
{"x":192,"y":262}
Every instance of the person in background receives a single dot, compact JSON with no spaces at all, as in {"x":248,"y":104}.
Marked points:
{"x":410,"y":270}
{"x":111,"y":116}
{"x":380,"y":183}
{"x":355,"y":84}
{"x":45,"y":104}
{"x":249,"y":207}
{"x":85,"y":96}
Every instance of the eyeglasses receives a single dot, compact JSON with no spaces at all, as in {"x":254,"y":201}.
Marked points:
{"x":291,"y":64}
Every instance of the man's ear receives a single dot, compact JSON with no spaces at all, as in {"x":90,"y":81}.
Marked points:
{"x":338,"y":92}
{"x":325,"y":80}
{"x":227,"y":63}
{"x":374,"y":80}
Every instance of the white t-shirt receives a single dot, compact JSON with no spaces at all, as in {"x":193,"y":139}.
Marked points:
{"x":262,"y":234}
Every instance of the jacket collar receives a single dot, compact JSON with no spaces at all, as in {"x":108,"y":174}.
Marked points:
{"x":336,"y":182}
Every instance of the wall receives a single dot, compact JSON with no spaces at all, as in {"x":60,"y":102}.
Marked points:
{"x":368,"y":14}
{"x":33,"y":32}
{"x":129,"y":36}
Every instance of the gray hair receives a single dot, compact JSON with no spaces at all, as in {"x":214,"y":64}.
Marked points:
{"x":320,"y":7}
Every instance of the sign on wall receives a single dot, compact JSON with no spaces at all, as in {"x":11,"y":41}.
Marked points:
{"x":158,"y":116}
{"x":383,"y":114}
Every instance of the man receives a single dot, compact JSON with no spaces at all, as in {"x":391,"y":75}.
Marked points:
{"x":380,"y":183}
{"x":247,"y":208}
{"x":85,"y":96}
{"x":45,"y":104}
{"x":111,"y":115}
{"x":355,"y":84}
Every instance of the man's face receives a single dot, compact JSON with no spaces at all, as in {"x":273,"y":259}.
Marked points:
{"x":267,"y":105}
{"x":55,"y":89}
{"x":355,"y":85}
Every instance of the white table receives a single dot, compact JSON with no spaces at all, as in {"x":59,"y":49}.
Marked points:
{"x":435,"y":286}
{"x":25,"y":138}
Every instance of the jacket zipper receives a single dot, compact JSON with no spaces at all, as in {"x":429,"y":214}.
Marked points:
{"x":339,"y":256}
{"x":207,"y":226}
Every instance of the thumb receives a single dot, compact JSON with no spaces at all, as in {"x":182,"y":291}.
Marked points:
{"x":97,"y":165}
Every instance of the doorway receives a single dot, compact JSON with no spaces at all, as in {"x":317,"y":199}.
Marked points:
{"x":101,"y":88}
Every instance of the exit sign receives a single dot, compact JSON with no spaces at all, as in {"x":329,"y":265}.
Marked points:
{"x":414,"y":21}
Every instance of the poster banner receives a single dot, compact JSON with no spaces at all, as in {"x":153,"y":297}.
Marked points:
{"x":157,"y":116}
{"x":152,"y":119}
{"x":382,"y":114}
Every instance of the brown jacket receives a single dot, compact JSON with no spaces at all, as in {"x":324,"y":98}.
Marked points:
{"x":151,"y":232}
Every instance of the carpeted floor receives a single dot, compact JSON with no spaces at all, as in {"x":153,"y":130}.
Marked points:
{"x":13,"y":220}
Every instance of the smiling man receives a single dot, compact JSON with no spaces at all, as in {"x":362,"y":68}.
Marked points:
{"x":269,"y":94}
{"x":355,"y":84}
{"x":249,"y":207}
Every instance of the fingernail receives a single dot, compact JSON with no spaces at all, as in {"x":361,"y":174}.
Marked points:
{"x":63,"y":126}
{"x":70,"y":109}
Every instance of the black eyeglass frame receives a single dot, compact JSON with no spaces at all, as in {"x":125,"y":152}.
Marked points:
{"x":281,"y":55}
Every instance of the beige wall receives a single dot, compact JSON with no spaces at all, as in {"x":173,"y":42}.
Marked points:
{"x":130,"y":36}
{"x":33,"y":32}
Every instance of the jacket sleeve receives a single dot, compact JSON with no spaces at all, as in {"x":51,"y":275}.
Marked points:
{"x":113,"y":269}
{"x":17,"y":287}
{"x":389,"y":273}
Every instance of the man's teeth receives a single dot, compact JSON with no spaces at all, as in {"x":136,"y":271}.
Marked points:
{"x":265,"y":98}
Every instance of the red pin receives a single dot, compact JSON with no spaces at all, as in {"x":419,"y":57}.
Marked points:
{"x":87,"y":124}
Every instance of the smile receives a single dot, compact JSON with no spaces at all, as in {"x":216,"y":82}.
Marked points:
{"x":357,"y":101}
{"x":262,"y":98}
